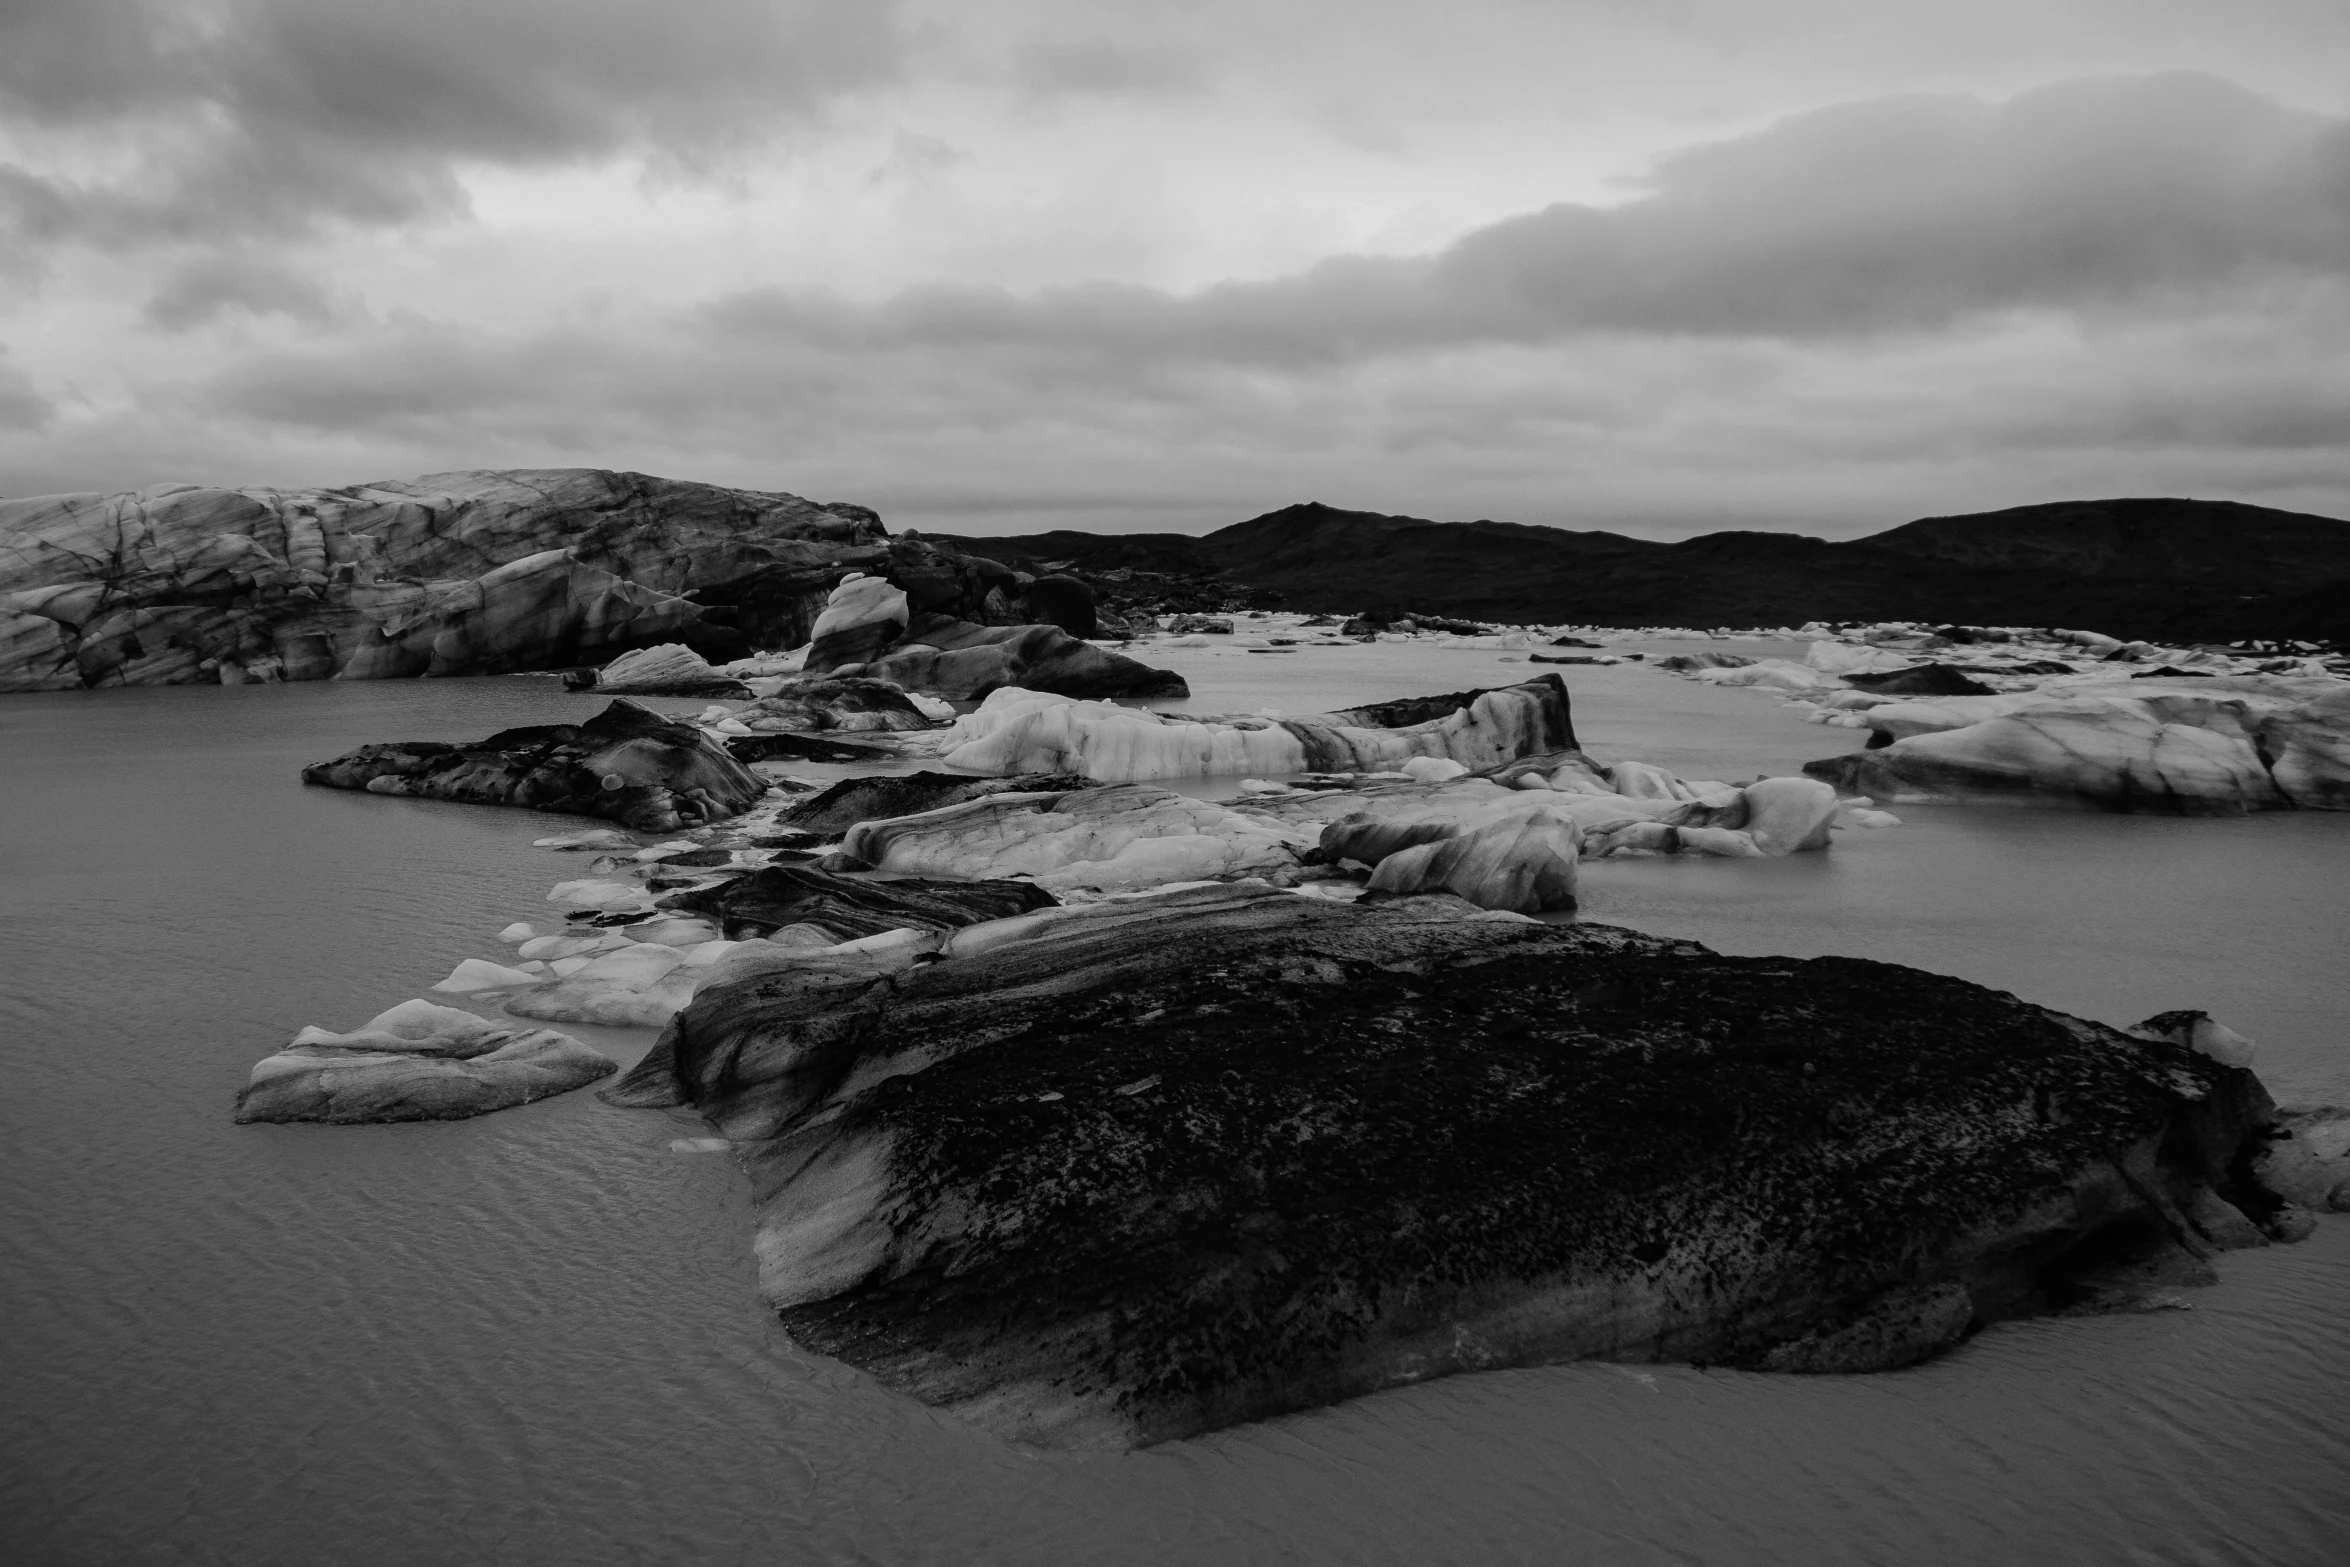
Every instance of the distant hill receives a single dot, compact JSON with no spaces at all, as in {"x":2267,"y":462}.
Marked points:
{"x":2165,"y":569}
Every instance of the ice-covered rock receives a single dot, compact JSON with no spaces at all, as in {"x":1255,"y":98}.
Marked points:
{"x":1108,"y":839}
{"x":835,"y":810}
{"x":628,"y":763}
{"x":1432,"y":769}
{"x":671,"y":669}
{"x":1032,"y":732}
{"x":550,"y":948}
{"x":847,"y":703}
{"x":2215,"y":745}
{"x":1770,"y":817}
{"x":2199,"y":1032}
{"x":764,"y":666}
{"x":637,"y":985}
{"x":1838,"y":658}
{"x":863,"y":616}
{"x":475,"y":974}
{"x":415,"y":1062}
{"x":1524,"y":864}
{"x":600,"y":838}
{"x":1407,"y":1141}
{"x":591,"y":894}
{"x":676,"y":931}
{"x":1773,"y":674}
{"x":455,"y":573}
{"x":952,"y":658}
{"x":801,"y":908}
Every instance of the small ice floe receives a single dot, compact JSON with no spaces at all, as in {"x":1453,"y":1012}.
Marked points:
{"x":416,"y":1061}
{"x":596,"y":894}
{"x":516,"y":933}
{"x":477,"y":974}
{"x":699,"y":1145}
{"x":1432,"y":769}
{"x":600,"y":838}
{"x":680,"y":931}
{"x":553,"y":947}
{"x":2199,"y":1033}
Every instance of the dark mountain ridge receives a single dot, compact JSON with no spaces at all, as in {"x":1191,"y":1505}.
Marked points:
{"x":2162,"y":568}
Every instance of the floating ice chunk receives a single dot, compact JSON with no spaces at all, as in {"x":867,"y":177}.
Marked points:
{"x":931,"y":707}
{"x":596,"y":894}
{"x":678,"y":931}
{"x":1432,"y":769}
{"x":476,"y":974}
{"x":416,"y":1027}
{"x":417,"y":1061}
{"x":699,"y":1145}
{"x":1641,"y":781}
{"x":2198,"y":1032}
{"x":600,"y":838}
{"x":637,"y":964}
{"x":551,"y":947}
{"x":516,"y":932}
{"x":1525,"y":864}
{"x":636,"y":986}
{"x":565,"y":967}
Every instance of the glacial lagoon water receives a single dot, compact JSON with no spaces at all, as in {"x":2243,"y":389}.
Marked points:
{"x":531,"y":1338}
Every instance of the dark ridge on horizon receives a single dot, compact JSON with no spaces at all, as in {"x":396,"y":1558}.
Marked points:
{"x":2160,"y":567}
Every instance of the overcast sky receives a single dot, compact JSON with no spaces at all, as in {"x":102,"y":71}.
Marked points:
{"x":1656,"y":265}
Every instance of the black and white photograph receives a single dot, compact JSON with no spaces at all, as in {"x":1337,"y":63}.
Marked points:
{"x":1254,"y":783}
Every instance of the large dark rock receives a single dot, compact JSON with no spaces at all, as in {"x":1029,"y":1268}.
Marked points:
{"x":628,"y":764}
{"x":1919,"y":680}
{"x":851,"y":906}
{"x":1065,"y":602}
{"x":801,"y":748}
{"x":1114,"y":1174}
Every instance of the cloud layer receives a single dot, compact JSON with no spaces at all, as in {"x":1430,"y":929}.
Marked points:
{"x":1896,"y":304}
{"x":227,"y":117}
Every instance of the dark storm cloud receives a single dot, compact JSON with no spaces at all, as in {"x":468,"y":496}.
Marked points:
{"x":1897,"y":214}
{"x":267,"y":114}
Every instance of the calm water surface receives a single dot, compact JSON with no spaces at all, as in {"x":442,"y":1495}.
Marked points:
{"x":531,"y":1338}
